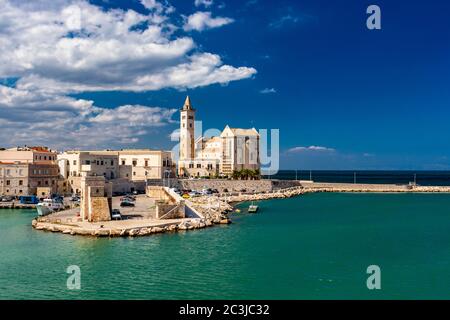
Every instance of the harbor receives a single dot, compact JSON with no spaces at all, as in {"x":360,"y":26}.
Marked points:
{"x":144,"y":219}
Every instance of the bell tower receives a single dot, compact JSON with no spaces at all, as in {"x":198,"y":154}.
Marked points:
{"x":187,"y":127}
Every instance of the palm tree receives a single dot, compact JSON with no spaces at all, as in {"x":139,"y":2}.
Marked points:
{"x":236,"y":175}
{"x":245,"y":173}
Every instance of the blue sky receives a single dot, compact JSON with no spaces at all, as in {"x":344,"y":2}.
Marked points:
{"x":343,"y":96}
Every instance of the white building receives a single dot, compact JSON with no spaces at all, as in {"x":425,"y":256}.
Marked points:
{"x":233,"y":150}
{"x":128,"y":170}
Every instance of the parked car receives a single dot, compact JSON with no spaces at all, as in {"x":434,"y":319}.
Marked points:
{"x":194,"y":193}
{"x":7,"y":198}
{"x":127,"y":203}
{"x":127,"y":198}
{"x":206,"y":192}
{"x":186,"y":196}
{"x":116,"y":215}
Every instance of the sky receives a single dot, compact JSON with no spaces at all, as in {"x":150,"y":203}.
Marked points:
{"x":113,"y":74}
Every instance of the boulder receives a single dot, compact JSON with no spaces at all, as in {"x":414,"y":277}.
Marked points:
{"x":157,"y":229}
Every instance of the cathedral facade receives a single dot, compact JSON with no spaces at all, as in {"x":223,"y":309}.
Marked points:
{"x":234,"y":149}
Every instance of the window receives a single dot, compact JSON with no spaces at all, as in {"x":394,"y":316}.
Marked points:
{"x":199,"y":165}
{"x":190,"y":125}
{"x":191,"y":117}
{"x":123,"y":162}
{"x":8,"y":182}
{"x":46,"y":182}
{"x":88,"y":162}
{"x":146,"y":163}
{"x":184,"y":125}
{"x":74,"y":162}
{"x":191,"y":165}
{"x":164,"y":163}
{"x":101,"y":162}
{"x":112,"y":162}
{"x":20,"y":182}
{"x":134,"y":173}
{"x":134,"y":163}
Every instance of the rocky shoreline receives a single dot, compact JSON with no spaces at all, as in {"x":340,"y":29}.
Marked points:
{"x":185,"y":225}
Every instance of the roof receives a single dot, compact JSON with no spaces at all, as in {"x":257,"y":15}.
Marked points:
{"x":187,"y":104}
{"x":242,"y":132}
{"x":34,"y":149}
{"x":117,"y":152}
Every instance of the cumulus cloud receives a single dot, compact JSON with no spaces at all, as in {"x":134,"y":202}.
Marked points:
{"x":206,"y":3}
{"x":53,"y":48}
{"x":268,"y":90}
{"x":61,"y":121}
{"x":200,"y":21}
{"x":310,"y":148}
{"x":74,"y":46}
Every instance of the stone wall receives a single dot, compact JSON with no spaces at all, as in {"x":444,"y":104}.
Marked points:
{"x":100,"y":210}
{"x":237,"y":185}
{"x":170,"y":211}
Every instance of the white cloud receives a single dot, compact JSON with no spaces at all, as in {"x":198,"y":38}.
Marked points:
{"x":58,"y":47}
{"x":64,"y":122}
{"x":268,"y":90}
{"x":283,"y":21}
{"x":310,"y":148}
{"x":206,"y":3}
{"x":113,"y":50}
{"x":200,"y":21}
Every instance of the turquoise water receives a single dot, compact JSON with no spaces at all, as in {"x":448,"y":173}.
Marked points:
{"x":316,"y":246}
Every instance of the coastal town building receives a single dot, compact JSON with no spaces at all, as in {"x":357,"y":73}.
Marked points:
{"x":233,"y":150}
{"x":128,"y":170}
{"x":27,"y":170}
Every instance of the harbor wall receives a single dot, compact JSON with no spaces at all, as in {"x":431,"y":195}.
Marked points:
{"x":254,"y":186}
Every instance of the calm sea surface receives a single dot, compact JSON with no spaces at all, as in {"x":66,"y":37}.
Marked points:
{"x":309,"y":247}
{"x":426,"y":178}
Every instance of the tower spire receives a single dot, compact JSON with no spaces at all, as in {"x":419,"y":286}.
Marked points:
{"x":187,"y":104}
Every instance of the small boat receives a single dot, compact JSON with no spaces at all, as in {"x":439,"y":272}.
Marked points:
{"x":49,"y":206}
{"x":253,"y":208}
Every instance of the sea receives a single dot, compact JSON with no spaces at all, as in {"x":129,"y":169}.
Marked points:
{"x":315,"y":246}
{"x":425,"y":178}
